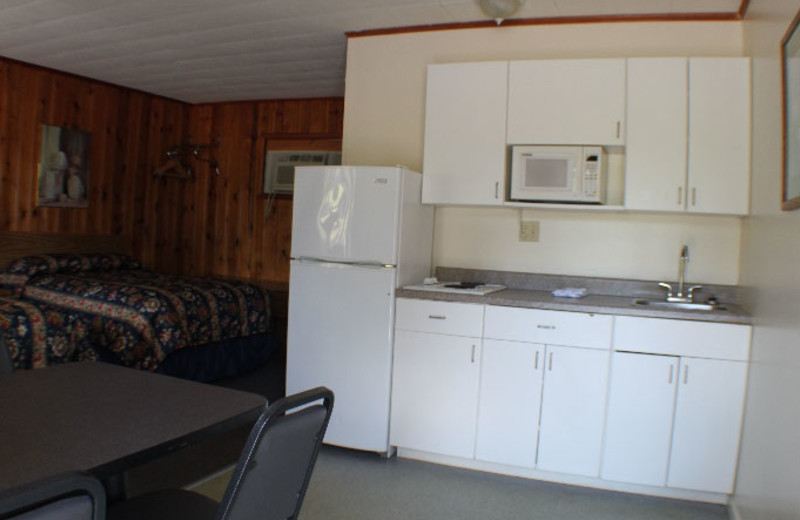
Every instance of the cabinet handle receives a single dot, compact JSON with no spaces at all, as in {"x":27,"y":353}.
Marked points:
{"x":680,"y":195}
{"x":671,"y":372}
{"x":694,"y":196}
{"x":685,"y":374}
{"x":437,"y":316}
{"x":550,"y":367}
{"x":536,"y":362}
{"x":496,"y":190}
{"x":618,"y":129}
{"x":546,"y":327}
{"x":472,"y":359}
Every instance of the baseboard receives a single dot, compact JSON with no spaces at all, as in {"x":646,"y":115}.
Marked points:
{"x":561,"y":478}
{"x":733,"y":511}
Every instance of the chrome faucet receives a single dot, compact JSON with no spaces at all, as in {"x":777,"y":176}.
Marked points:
{"x":680,"y":297}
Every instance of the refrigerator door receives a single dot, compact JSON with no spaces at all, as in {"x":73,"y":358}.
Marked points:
{"x":346,"y":213}
{"x":340,"y":336}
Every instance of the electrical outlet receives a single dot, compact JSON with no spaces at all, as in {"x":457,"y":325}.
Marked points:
{"x":529,"y":231}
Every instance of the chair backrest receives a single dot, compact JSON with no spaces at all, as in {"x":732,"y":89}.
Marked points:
{"x":6,"y":367}
{"x":272,"y":475}
{"x":67,"y":496}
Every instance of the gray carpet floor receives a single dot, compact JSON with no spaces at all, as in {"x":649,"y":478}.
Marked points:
{"x":353,"y":485}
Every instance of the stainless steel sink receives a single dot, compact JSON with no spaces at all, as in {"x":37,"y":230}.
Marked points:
{"x":680,"y":305}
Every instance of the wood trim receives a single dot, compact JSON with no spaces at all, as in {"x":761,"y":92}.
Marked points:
{"x":16,"y":245}
{"x":212,"y":103}
{"x":743,"y":9}
{"x":558,"y":20}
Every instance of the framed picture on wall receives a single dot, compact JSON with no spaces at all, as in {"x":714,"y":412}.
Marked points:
{"x":790,"y":58}
{"x":64,"y":167}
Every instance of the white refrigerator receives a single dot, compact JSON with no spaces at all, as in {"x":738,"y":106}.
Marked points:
{"x":358,"y":232}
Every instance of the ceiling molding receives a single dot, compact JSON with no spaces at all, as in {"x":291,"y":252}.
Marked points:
{"x":743,"y":9}
{"x":558,"y":20}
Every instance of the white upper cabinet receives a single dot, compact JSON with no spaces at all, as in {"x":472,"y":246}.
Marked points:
{"x":719,"y":135}
{"x":566,"y":102}
{"x":465,"y":128}
{"x":655,"y":172}
{"x":688,"y":146}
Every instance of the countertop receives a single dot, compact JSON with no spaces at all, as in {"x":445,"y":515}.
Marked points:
{"x":592,"y":303}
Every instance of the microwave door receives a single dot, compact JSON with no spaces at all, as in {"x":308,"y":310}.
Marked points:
{"x":549,"y":177}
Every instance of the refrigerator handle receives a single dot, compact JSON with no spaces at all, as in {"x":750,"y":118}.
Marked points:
{"x":367,"y":265}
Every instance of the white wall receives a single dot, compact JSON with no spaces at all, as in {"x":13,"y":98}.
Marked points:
{"x":383,"y":125}
{"x":768,"y":485}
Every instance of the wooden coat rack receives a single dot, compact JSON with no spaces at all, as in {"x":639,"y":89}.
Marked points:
{"x":177,"y":164}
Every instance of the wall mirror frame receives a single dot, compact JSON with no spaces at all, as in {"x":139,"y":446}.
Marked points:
{"x":790,"y":76}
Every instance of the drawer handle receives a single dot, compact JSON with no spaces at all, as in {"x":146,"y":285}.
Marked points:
{"x":546,"y":327}
{"x":686,"y":374}
{"x":536,"y":361}
{"x":671,"y":372}
{"x":437,"y":316}
{"x":472,"y":358}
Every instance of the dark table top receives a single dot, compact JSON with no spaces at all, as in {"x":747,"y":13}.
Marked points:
{"x":105,"y":419}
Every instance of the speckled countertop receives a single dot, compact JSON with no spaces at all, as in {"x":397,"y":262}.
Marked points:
{"x":615,"y":296}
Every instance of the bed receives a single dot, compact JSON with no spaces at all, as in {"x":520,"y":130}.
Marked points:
{"x":42,"y":335}
{"x":192,"y":327}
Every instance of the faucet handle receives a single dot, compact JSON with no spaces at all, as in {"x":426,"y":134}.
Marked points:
{"x":692,"y":289}
{"x":666,"y":286}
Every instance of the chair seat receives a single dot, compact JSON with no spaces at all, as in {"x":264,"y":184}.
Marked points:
{"x":169,"y":504}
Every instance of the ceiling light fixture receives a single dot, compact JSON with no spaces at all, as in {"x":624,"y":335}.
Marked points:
{"x":500,"y":9}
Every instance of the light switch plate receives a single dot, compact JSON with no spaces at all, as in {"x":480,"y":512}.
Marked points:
{"x":529,"y":231}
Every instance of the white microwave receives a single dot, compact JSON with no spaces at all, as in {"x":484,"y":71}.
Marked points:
{"x":570,"y":174}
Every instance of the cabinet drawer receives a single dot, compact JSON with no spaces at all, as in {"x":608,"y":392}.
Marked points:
{"x":456,"y":319}
{"x":549,"y":327}
{"x":682,"y":338}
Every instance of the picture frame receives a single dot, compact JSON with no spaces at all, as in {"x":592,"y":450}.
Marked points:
{"x":790,"y":83}
{"x":64,"y":167}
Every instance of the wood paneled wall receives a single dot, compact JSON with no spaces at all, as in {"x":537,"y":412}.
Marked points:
{"x":130,"y":131}
{"x":229,"y":228}
{"x":209,"y":225}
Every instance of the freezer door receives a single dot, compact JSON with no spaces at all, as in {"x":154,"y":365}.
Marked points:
{"x":340,"y":336}
{"x":346,"y":213}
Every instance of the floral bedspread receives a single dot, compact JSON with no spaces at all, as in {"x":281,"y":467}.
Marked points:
{"x":142,"y":316}
{"x":39,"y":335}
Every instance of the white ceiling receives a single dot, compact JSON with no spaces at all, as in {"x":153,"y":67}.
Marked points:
{"x":226,"y":50}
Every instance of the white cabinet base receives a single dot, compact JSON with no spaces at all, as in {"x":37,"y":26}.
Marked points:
{"x":562,"y":478}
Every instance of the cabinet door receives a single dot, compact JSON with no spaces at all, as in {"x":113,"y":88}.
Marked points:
{"x":641,"y":401}
{"x":573,"y":409}
{"x":708,"y":417}
{"x":465,"y":120}
{"x":508,"y":405}
{"x":435,"y":393}
{"x":566,"y":102}
{"x":719,"y":135}
{"x":655,"y":152}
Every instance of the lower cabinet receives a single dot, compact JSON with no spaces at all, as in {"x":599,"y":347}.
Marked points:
{"x":573,"y":410}
{"x":661,"y":406}
{"x":435,"y":390}
{"x":553,"y":395}
{"x":675,"y":420}
{"x":510,"y":394}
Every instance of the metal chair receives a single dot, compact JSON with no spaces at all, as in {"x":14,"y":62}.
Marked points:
{"x":271,"y":476}
{"x":67,"y":496}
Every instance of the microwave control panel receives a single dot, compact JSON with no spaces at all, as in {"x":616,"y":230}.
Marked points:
{"x":592,"y":165}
